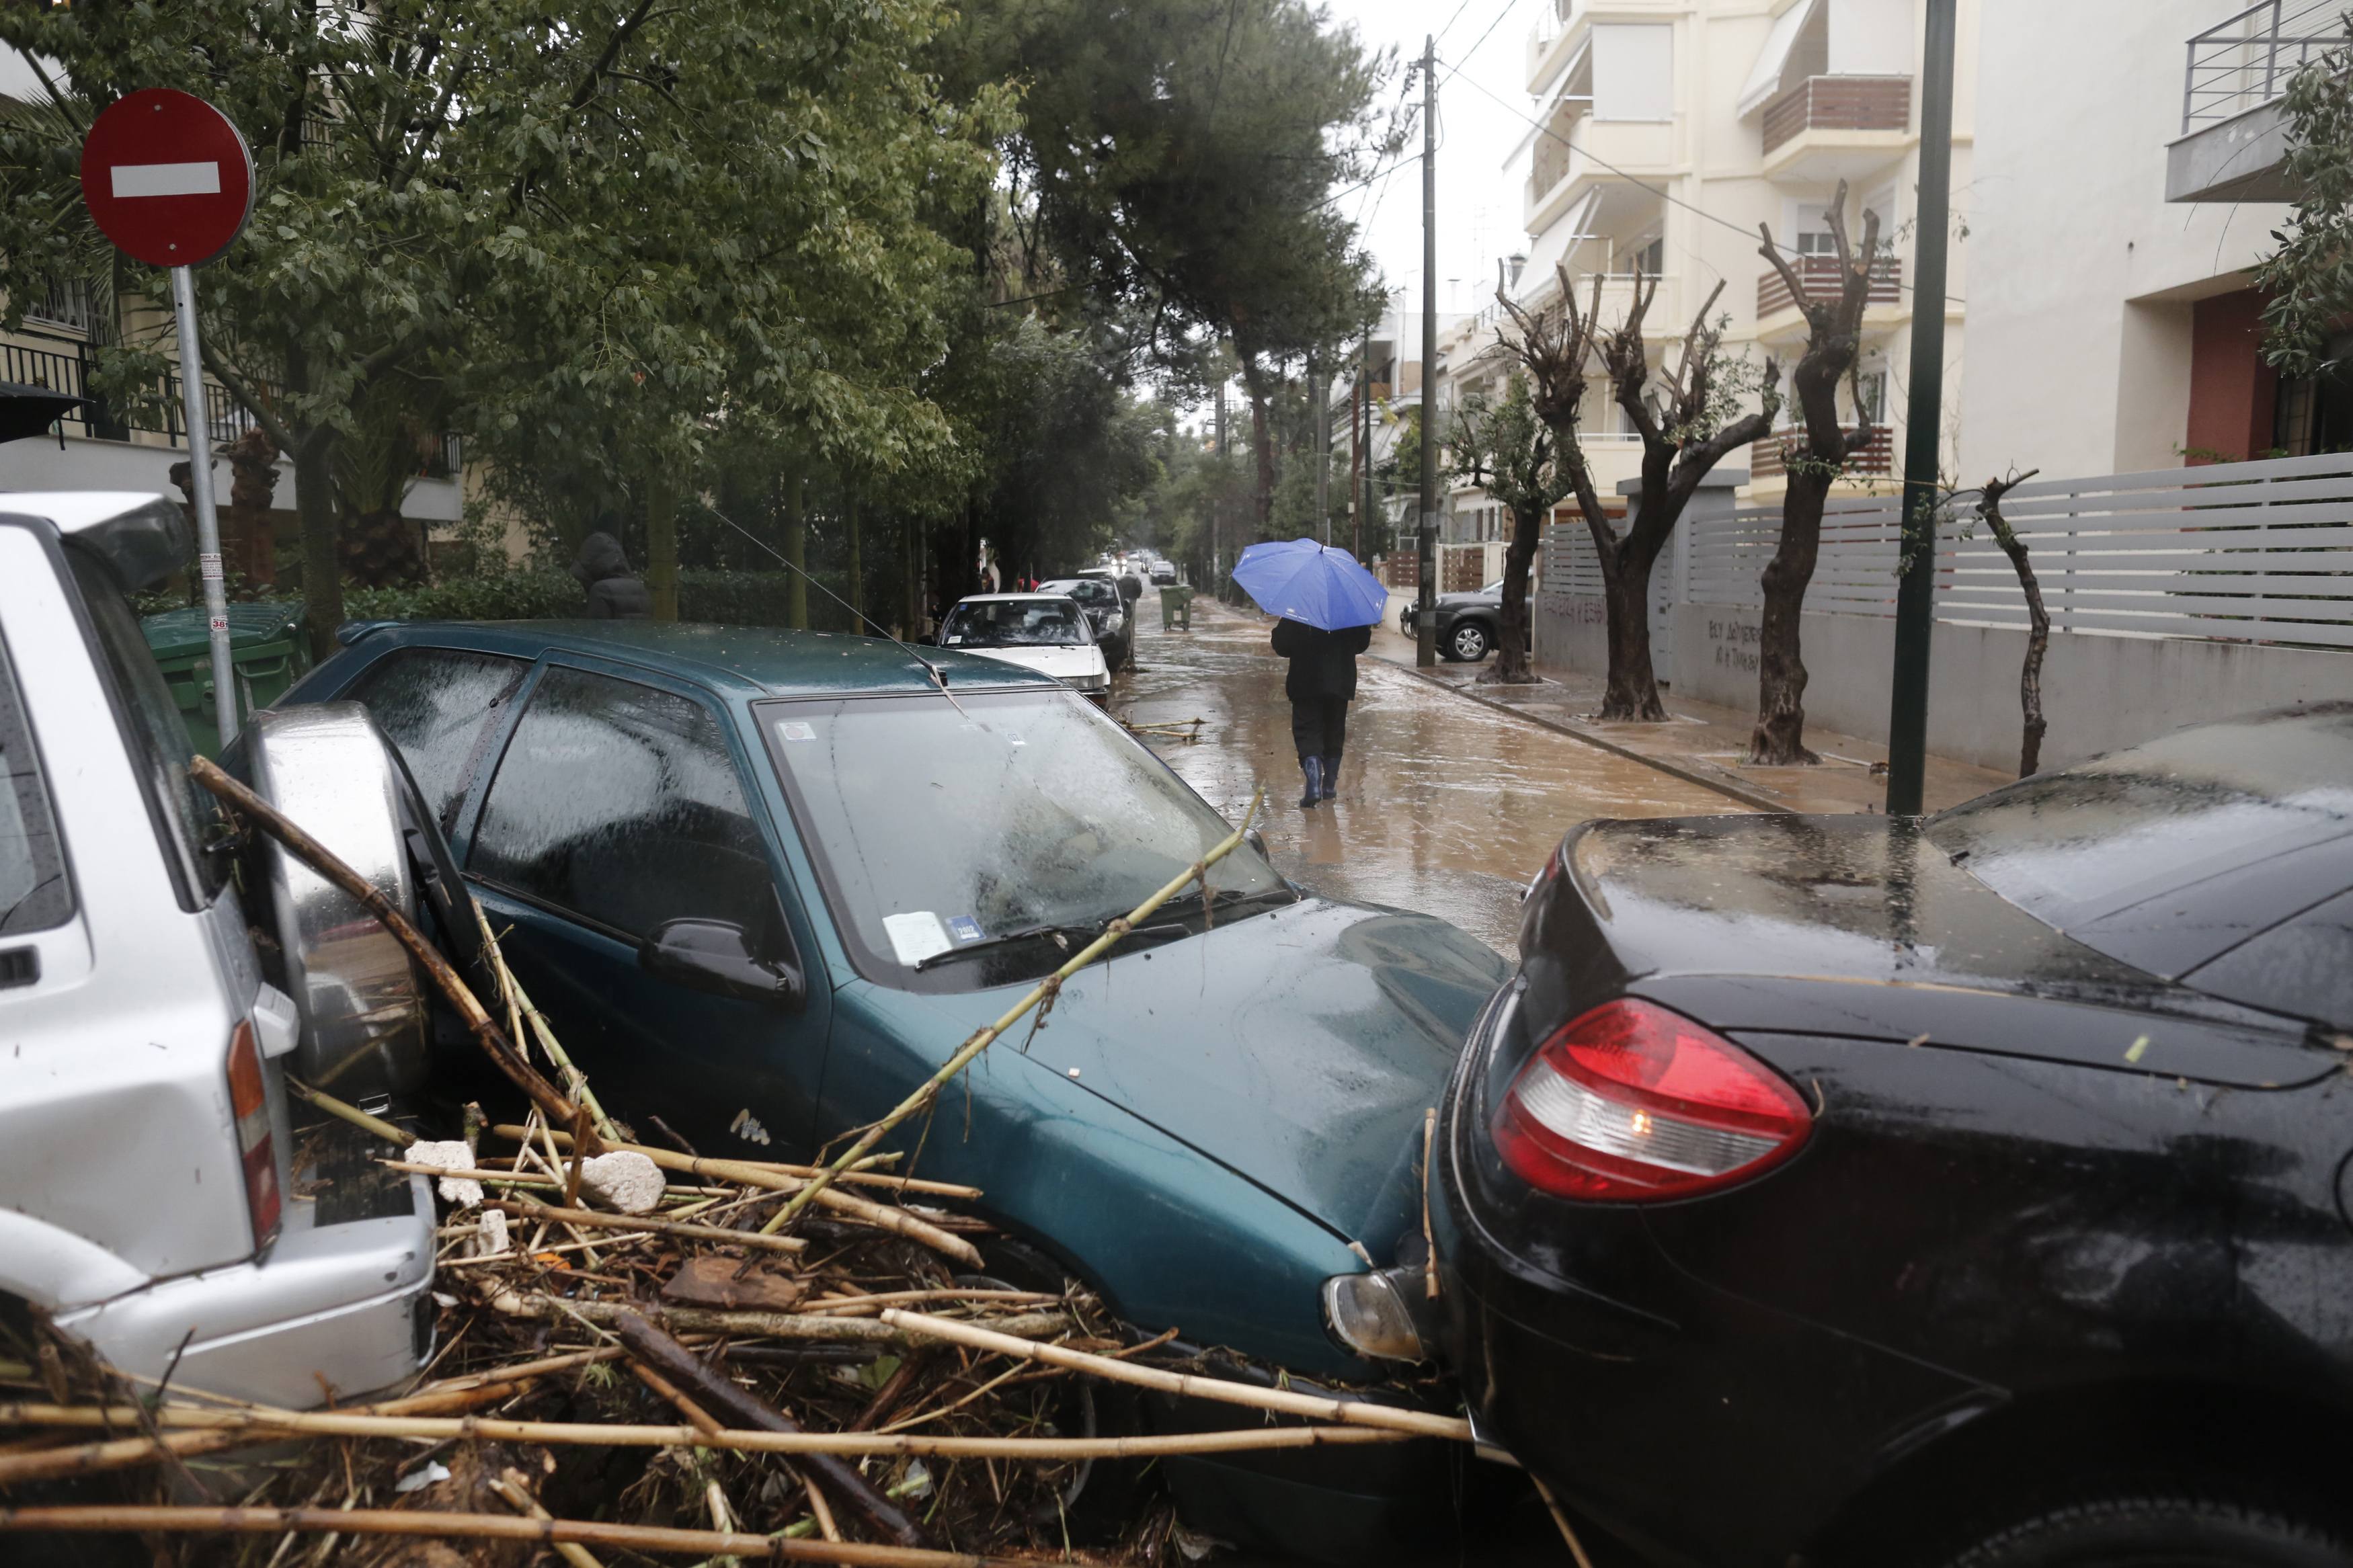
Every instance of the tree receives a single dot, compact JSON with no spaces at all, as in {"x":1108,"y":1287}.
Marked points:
{"x":2038,"y":634}
{"x":1834,"y":346}
{"x":1688,"y":419}
{"x":1507,"y":451}
{"x":582,"y":230}
{"x":2307,"y":282}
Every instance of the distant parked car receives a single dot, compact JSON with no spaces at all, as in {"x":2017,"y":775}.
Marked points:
{"x":1164,"y":572}
{"x":1106,"y":614}
{"x":1965,"y":1193}
{"x":784,"y":874}
{"x":1045,"y":632}
{"x":1470,"y":625}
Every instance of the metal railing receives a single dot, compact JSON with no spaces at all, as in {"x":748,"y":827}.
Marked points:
{"x":2248,"y":59}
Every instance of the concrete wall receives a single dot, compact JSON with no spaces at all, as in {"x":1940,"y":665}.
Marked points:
{"x":83,"y":464}
{"x":2098,"y":692}
{"x":1571,"y":631}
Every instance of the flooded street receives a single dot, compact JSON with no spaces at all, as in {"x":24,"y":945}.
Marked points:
{"x":1444,"y":806}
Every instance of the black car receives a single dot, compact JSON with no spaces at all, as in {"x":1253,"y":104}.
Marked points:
{"x":1107,"y":612}
{"x":1469,"y":626}
{"x":1963,"y":1190}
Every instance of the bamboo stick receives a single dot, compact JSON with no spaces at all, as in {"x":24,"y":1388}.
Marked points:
{"x":1052,"y":985}
{"x":745,"y":1173}
{"x":489,"y":1527}
{"x":1352,"y":1412}
{"x":596,"y":1435}
{"x":315,"y":855}
{"x":576,"y":1080}
{"x":756,"y":1324}
{"x":530,"y":1210}
{"x":512,"y":1492}
{"x":680,"y":1161}
{"x":350,"y":1113}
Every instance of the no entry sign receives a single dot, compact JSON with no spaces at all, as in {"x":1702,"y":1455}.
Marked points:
{"x":167,"y":177}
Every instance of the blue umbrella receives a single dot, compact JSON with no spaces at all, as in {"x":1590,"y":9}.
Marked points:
{"x":1319,"y":585}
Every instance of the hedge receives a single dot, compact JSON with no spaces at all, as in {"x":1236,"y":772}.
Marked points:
{"x":733,"y":598}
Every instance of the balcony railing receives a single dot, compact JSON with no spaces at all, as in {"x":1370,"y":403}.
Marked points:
{"x":1769,"y":457}
{"x":2247,"y":60}
{"x":1839,"y":103}
{"x":1821,"y":275}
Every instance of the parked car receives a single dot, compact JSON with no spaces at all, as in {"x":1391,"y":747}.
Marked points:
{"x":1106,"y":614}
{"x":1962,"y":1191}
{"x":1470,"y":625}
{"x":1045,"y":632}
{"x":148,"y":1194}
{"x":1214,"y":1123}
{"x":1164,"y":572}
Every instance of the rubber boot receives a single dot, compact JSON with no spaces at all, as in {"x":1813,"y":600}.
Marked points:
{"x":1314,"y":768}
{"x":1331,"y":778}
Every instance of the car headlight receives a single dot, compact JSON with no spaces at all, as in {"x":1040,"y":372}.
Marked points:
{"x":1372,"y":1313}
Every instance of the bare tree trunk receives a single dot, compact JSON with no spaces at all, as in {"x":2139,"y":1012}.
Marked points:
{"x":661,"y":544}
{"x":1261,"y":450}
{"x":857,"y":594}
{"x":1630,"y":691}
{"x":1779,"y":738}
{"x":2038,"y":635}
{"x":322,"y":551}
{"x":1511,"y":668}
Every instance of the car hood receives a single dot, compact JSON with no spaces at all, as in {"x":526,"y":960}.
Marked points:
{"x":1459,"y":600}
{"x":1075,"y":663}
{"x":1299,"y":1046}
{"x":1860,"y":926}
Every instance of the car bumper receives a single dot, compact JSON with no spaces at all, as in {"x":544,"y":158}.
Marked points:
{"x":332,"y":1311}
{"x":1699,"y":1426}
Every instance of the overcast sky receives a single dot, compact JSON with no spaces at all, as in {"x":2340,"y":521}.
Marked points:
{"x":1479,"y":216}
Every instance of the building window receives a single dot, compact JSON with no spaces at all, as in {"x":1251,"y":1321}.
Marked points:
{"x":1873,"y":403}
{"x":67,"y":304}
{"x":1649,"y":256}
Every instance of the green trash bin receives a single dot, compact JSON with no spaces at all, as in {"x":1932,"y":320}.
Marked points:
{"x":1176,"y":606}
{"x":268,"y":650}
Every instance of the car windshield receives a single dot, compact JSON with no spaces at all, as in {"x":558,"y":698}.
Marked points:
{"x":2108,"y":834}
{"x":1014,"y":623}
{"x":936,"y":827}
{"x":1092,"y":590}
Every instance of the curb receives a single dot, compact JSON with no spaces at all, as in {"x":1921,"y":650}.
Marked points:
{"x":1745,"y":796}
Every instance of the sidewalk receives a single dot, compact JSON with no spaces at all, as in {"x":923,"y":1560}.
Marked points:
{"x":1700,"y":742}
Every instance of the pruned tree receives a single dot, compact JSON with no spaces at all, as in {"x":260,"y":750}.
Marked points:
{"x":1502,"y":448}
{"x":1688,"y":418}
{"x":1833,"y":348}
{"x":2038,"y":634}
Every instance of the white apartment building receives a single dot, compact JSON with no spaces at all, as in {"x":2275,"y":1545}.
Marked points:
{"x":1663,"y":132}
{"x":2127,"y":179}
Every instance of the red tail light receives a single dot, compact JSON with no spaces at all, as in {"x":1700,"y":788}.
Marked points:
{"x":248,"y":1101}
{"x":1632,"y":1103}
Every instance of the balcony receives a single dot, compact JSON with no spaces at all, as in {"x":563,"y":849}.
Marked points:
{"x":1572,"y":158}
{"x":1836,"y":127}
{"x":1768,"y":458}
{"x":2233,"y":143}
{"x":1821,"y":275}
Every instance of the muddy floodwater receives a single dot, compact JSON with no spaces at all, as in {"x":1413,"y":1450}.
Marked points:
{"x":1445,"y":807}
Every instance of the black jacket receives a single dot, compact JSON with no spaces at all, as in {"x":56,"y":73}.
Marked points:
{"x":615,"y":593}
{"x":1322,"y":664}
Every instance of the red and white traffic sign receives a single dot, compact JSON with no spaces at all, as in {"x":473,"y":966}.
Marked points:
{"x":167,"y":177}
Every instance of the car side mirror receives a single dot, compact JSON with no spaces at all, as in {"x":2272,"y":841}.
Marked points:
{"x":1257,"y":841}
{"x":717,"y":957}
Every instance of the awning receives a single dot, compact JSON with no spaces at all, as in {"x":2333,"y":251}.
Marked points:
{"x":1542,"y":118}
{"x":1765,"y":80}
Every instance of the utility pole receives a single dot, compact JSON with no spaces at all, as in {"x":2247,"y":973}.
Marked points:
{"x":1218,"y":496}
{"x":1915,"y":605}
{"x":1425,"y":654}
{"x":1357,"y":459}
{"x":1319,"y":398}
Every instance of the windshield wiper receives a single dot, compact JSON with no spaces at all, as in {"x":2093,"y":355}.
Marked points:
{"x":1234,"y":901}
{"x":1060,"y":933}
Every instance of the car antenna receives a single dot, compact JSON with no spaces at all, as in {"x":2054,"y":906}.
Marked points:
{"x":930,"y":669}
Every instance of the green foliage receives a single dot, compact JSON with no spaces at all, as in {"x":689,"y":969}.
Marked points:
{"x":2309,"y":280}
{"x":723,"y":598}
{"x":1502,"y":448}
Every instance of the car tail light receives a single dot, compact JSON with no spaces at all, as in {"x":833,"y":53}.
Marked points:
{"x":248,"y":1101}
{"x":1630,"y":1103}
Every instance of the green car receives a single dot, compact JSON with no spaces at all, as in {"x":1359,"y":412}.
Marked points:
{"x":765,"y":882}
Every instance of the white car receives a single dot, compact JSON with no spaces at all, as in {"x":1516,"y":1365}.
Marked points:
{"x":152,"y":1198}
{"x":1045,"y":632}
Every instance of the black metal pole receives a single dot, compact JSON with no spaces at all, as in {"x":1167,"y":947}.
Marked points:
{"x":1915,"y":608}
{"x":1425,"y":615}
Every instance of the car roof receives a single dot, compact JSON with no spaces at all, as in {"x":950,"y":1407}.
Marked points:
{"x":1012,"y":598}
{"x":748,"y":661}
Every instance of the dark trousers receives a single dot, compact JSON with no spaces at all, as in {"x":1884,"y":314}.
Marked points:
{"x":1319,"y":725}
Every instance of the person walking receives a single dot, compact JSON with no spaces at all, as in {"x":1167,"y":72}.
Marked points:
{"x":1321,"y":685}
{"x":615,"y":593}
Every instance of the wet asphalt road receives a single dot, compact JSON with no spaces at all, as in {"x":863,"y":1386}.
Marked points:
{"x":1445,"y":807}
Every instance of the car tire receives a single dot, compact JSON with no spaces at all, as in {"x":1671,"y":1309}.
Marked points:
{"x":1467,"y":643}
{"x":2160,"y":1530}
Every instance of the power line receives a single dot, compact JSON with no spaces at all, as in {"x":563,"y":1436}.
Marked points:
{"x":1509,"y":7}
{"x":1454,"y":18}
{"x":1636,"y":180}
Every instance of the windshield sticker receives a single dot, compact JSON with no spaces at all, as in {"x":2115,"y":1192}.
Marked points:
{"x":964,"y":929}
{"x":797,"y":730}
{"x":916,"y":936}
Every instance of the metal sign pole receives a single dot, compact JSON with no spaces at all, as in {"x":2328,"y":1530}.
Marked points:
{"x":200,"y":487}
{"x":1425,"y":625}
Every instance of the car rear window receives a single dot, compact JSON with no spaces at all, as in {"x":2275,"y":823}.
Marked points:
{"x":436,"y":704}
{"x":35,"y":893}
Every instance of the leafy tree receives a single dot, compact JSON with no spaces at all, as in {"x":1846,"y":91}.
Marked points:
{"x":585,"y":230}
{"x":1504,"y":449}
{"x":2307,"y":282}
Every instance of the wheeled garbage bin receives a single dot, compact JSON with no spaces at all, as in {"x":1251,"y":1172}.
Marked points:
{"x":1176,"y":606}
{"x":268,"y":652}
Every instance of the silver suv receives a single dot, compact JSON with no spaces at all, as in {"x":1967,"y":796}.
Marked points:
{"x":148,"y":1191}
